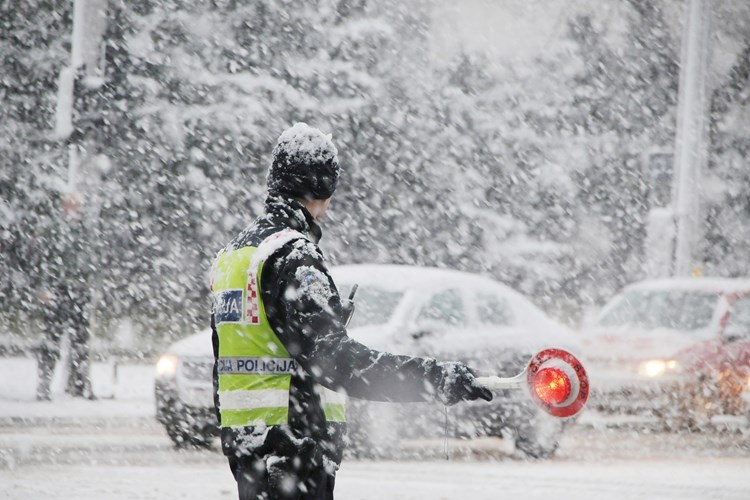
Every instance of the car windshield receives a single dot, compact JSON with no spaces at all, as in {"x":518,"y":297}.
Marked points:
{"x":374,"y":305}
{"x":650,"y":309}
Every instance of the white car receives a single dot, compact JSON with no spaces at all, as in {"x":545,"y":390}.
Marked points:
{"x":441,"y":313}
{"x":450,"y":315}
{"x":184,"y":391}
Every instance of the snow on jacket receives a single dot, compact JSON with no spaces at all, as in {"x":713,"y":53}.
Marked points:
{"x":305,"y":311}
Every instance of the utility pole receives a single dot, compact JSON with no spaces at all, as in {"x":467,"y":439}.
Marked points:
{"x":86,"y":71}
{"x":691,"y":141}
{"x":87,"y":63}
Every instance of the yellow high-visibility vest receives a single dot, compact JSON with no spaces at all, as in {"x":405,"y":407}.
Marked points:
{"x":254,"y":368}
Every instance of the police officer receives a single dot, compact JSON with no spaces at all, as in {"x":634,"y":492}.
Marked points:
{"x":283,"y":359}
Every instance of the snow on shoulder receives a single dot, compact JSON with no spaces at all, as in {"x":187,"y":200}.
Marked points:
{"x":272,"y":244}
{"x":314,"y":285}
{"x":306,"y":145}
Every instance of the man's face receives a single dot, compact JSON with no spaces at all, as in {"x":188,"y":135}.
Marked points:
{"x":324,"y":209}
{"x":318,"y":208}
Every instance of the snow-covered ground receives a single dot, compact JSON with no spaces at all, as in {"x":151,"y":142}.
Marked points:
{"x":114,"y":449}
{"x":725,"y":479}
{"x":69,"y":461}
{"x":124,"y":391}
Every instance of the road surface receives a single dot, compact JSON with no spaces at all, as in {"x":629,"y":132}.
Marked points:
{"x":76,"y":461}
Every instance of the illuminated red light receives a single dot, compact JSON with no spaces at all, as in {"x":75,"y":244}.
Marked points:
{"x":552,"y":385}
{"x":562,"y":391}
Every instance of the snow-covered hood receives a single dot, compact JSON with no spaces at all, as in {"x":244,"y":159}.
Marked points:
{"x":633,"y":344}
{"x":521,"y":338}
{"x":379,"y":337}
{"x":465,"y":343}
{"x":197,"y":345}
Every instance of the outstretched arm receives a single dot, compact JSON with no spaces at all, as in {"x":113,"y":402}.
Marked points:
{"x":304,"y":308}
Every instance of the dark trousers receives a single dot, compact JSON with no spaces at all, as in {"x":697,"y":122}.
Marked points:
{"x":275,"y":478}
{"x":78,"y":383}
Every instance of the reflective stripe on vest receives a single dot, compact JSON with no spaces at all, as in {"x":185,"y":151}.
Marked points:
{"x":254,"y":367}
{"x":334,"y":404}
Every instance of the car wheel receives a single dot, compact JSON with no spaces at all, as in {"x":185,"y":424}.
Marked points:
{"x":538,"y":436}
{"x":184,"y":430}
{"x":184,"y":436}
{"x":692,"y":405}
{"x":534,"y":433}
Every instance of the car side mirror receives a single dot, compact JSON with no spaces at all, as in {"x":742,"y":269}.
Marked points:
{"x":734,"y":333}
{"x":419,"y":333}
{"x":425,"y":330}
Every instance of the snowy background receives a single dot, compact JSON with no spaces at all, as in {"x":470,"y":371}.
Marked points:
{"x":514,"y":139}
{"x":530,"y":141}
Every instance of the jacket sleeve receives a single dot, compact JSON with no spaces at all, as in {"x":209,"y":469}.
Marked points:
{"x":305,"y":310}
{"x":215,"y":370}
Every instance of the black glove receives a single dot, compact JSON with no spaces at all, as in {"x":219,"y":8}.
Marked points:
{"x":459,"y":384}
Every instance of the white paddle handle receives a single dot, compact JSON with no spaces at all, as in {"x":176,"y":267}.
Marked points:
{"x":497,"y":383}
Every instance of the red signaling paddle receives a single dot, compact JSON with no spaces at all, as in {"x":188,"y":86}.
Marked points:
{"x":555,"y":379}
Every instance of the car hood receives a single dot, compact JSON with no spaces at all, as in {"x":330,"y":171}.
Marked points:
{"x":513,"y":337}
{"x":466,"y":343}
{"x":633,"y":344}
{"x":701,"y":356}
{"x":715,"y":355}
{"x":378,"y":337}
{"x":197,"y":345}
{"x":454,"y":344}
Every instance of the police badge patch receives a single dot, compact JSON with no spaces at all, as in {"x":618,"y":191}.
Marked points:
{"x":228,"y":306}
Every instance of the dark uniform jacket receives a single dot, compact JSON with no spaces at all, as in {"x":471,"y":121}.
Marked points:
{"x":304,"y":308}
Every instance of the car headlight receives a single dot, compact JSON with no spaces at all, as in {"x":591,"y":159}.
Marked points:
{"x":656,"y":367}
{"x":166,"y":366}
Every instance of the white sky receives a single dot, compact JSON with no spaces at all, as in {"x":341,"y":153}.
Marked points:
{"x":515,"y":29}
{"x":518,"y":30}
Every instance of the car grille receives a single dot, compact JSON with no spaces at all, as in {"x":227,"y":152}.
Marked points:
{"x":199,"y":369}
